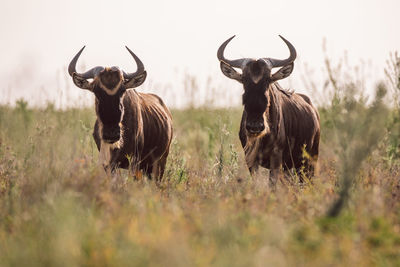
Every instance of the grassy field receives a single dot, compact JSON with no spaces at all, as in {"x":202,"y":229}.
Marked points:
{"x":58,"y":208}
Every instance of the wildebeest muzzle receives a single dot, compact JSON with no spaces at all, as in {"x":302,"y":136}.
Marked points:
{"x":111,"y":134}
{"x":255,"y":127}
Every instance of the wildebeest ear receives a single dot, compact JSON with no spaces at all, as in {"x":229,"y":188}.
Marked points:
{"x":135,"y":81}
{"x":230,"y":72}
{"x":283,"y":72}
{"x":82,"y":82}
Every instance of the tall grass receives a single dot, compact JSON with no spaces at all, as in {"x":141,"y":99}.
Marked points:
{"x":58,"y":208}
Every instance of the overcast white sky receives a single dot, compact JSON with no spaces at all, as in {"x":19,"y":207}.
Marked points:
{"x":39,"y":38}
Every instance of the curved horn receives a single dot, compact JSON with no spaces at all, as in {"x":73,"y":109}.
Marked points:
{"x":140,"y":66}
{"x":238,"y":63}
{"x":278,"y":62}
{"x":90,"y":74}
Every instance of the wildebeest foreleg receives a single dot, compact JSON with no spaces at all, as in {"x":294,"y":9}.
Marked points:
{"x":253,"y":169}
{"x":275,"y":166}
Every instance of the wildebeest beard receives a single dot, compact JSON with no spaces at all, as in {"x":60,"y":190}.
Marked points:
{"x":109,"y":112}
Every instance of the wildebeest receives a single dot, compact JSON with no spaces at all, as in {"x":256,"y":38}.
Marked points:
{"x":132,"y":129}
{"x":277,"y":126}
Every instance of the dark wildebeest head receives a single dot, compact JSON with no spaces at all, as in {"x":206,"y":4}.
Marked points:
{"x":256,"y":78}
{"x":109,"y":85}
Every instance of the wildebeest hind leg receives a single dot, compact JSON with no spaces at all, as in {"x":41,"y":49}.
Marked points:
{"x":306,"y":171}
{"x":159,"y":168}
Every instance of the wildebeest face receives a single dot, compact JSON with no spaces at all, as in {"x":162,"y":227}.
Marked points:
{"x":109,"y":91}
{"x":255,"y":101}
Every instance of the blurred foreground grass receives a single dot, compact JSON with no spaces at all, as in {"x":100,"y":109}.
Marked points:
{"x":58,"y":208}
